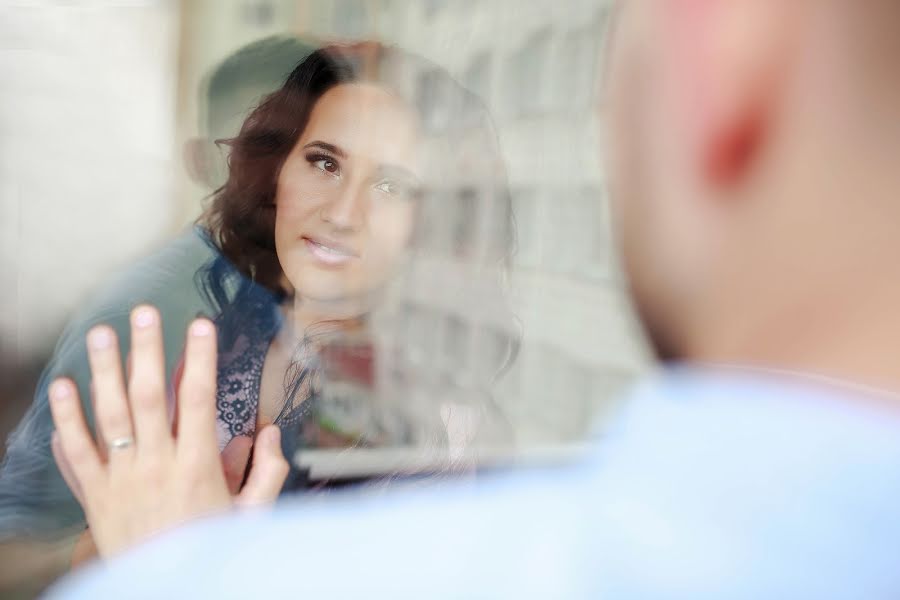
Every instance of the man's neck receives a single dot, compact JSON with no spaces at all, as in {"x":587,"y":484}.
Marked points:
{"x":851,"y":333}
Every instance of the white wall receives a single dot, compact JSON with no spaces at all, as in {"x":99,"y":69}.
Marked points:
{"x":87,"y":95}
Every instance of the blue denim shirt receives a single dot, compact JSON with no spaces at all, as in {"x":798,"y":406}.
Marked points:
{"x":34,"y":499}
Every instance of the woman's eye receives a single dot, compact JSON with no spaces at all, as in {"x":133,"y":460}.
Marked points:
{"x":327,"y":165}
{"x":322,"y":163}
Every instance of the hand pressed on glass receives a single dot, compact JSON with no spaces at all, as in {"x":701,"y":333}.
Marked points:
{"x":138,"y":478}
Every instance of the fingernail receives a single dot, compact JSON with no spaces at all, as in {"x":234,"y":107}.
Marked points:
{"x":60,"y":390}
{"x":201,"y":328}
{"x":100,"y":338}
{"x":144,"y":317}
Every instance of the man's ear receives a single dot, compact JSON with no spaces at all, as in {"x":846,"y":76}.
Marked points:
{"x":200,"y":159}
{"x":726,"y":71}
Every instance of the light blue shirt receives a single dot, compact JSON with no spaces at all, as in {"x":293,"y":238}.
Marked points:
{"x":711,"y":486}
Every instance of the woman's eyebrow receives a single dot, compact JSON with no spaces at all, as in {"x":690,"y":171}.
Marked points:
{"x":327,"y":147}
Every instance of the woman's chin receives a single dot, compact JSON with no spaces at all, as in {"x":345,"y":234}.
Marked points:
{"x":331,"y":301}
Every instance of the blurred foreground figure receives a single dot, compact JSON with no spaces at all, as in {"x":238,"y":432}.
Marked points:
{"x":754,"y":164}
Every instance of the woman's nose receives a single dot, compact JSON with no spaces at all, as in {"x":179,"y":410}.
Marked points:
{"x":346,"y":209}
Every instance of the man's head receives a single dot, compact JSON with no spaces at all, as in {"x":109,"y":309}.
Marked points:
{"x":754,"y":167}
{"x":231,"y":91}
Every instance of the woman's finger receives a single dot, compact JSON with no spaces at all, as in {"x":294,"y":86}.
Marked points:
{"x":197,"y":393}
{"x":65,"y":469}
{"x":74,"y":437}
{"x":98,"y":428}
{"x":234,"y":461}
{"x":147,"y":381}
{"x":112,"y":411}
{"x":268,"y":472}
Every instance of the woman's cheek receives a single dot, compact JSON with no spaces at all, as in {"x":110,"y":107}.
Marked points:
{"x":295,"y":213}
{"x":394,"y":227}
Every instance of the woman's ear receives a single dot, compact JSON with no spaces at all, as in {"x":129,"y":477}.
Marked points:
{"x":202,"y":160}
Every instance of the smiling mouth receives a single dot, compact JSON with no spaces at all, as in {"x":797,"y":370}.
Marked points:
{"x":328,"y":253}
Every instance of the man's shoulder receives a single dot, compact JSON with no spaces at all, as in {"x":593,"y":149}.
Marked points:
{"x":766,"y":424}
{"x":772,"y":481}
{"x":708,"y":487}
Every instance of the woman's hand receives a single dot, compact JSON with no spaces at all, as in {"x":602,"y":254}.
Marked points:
{"x":234,"y":464}
{"x":137,"y":478}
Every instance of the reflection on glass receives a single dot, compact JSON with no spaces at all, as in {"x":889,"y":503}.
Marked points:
{"x":470,"y":341}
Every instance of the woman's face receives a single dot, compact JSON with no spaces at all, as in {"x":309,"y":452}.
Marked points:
{"x":345,"y":195}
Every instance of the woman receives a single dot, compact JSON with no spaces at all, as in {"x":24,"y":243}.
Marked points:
{"x":327,"y":186}
{"x":335,"y":181}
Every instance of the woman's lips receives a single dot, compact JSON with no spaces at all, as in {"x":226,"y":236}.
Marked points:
{"x":328,"y":252}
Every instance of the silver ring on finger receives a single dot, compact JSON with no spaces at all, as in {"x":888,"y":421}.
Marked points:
{"x":121,"y":443}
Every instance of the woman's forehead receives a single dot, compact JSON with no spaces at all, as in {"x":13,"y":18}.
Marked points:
{"x":365,"y":121}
